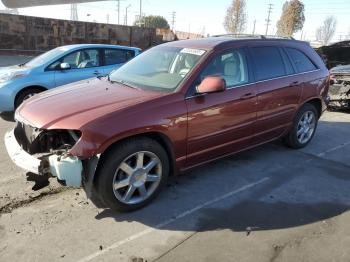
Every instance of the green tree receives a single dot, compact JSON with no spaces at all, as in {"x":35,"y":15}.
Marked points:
{"x":236,"y":17}
{"x":153,"y":22}
{"x":292,"y":18}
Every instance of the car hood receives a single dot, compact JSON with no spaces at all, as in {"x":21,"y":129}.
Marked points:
{"x":75,"y":105}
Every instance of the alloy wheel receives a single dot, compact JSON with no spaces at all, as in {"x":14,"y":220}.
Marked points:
{"x":137,"y":177}
{"x":306,"y":127}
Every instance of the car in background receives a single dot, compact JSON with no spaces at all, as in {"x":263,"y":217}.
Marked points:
{"x":57,"y":67}
{"x":172,"y":108}
{"x":337,"y":59}
{"x":339,"y":91}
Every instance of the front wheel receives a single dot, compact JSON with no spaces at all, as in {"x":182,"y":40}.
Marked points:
{"x":304,"y":127}
{"x":26,"y":94}
{"x":132,"y":174}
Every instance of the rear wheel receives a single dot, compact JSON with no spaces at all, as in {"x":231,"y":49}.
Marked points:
{"x":304,"y":127}
{"x":132,"y":174}
{"x":26,"y":94}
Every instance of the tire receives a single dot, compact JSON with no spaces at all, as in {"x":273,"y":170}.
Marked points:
{"x":25,"y":94}
{"x":115,"y":179}
{"x":293,"y":138}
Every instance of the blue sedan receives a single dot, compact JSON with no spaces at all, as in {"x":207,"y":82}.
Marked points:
{"x":60,"y":66}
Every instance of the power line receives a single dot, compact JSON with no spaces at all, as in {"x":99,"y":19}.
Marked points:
{"x":268,"y":20}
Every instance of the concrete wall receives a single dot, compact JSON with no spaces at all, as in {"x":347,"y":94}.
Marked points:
{"x":34,"y":33}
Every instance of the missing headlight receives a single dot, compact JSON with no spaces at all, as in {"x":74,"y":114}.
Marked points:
{"x":37,"y":141}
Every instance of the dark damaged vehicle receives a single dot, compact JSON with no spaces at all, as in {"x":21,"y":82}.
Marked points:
{"x":172,"y":108}
{"x":339,"y":90}
{"x":337,"y":59}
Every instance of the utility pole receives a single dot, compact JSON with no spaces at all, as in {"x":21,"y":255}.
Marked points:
{"x":74,"y":12}
{"x":126,"y":14}
{"x":268,"y":20}
{"x":140,"y":19}
{"x":254,"y":27}
{"x":173,"y":17}
{"x":118,"y":6}
{"x":107,"y":17}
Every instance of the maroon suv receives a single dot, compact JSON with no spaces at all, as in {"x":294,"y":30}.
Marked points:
{"x":174,"y":107}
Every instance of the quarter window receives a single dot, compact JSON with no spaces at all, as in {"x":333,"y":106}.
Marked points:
{"x":268,"y":62}
{"x":232,"y":66}
{"x":118,"y":56}
{"x":300,"y":60}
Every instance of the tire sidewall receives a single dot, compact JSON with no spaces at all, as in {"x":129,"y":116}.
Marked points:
{"x":293,"y":134}
{"x":112,"y":162}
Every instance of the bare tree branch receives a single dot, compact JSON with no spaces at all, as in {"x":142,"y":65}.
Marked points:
{"x":325,"y":32}
{"x":236,"y":17}
{"x":292,"y":18}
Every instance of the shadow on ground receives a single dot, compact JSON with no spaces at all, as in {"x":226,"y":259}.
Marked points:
{"x":247,"y":216}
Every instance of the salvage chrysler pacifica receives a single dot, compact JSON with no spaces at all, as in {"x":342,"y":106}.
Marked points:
{"x":174,"y":107}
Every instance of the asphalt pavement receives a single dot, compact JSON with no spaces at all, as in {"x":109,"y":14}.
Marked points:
{"x":270,"y":203}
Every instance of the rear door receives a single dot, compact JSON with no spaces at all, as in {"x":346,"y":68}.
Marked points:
{"x":221,"y":123}
{"x":115,"y":58}
{"x":84,"y":64}
{"x":279,"y":90}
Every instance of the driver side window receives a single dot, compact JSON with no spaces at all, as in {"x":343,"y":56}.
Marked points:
{"x":80,"y":59}
{"x":231,"y":66}
{"x":83,"y":59}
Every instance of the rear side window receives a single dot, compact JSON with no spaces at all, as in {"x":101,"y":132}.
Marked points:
{"x":268,"y":62}
{"x":300,"y":60}
{"x":118,"y":56}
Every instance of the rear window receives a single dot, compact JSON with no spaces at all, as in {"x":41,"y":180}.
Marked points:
{"x":118,"y":56}
{"x":268,"y":62}
{"x":301,"y":61}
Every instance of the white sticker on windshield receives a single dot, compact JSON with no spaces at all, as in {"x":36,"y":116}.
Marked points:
{"x":193,"y":51}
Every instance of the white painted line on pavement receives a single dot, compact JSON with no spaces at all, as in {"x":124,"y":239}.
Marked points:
{"x":333,"y":149}
{"x":171,"y":220}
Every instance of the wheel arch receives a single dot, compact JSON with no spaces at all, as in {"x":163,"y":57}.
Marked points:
{"x":42,"y":88}
{"x":317,"y":102}
{"x":161,"y":138}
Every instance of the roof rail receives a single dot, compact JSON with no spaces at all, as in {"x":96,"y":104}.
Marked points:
{"x":255,"y":36}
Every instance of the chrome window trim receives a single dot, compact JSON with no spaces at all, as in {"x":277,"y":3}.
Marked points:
{"x":257,"y":82}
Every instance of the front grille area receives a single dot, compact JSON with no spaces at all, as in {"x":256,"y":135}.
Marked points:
{"x":37,"y":141}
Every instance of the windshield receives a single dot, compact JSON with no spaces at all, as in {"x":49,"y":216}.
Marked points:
{"x":45,"y":58}
{"x":160,"y":69}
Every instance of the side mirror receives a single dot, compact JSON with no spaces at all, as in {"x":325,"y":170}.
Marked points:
{"x":211,"y":84}
{"x":65,"y":66}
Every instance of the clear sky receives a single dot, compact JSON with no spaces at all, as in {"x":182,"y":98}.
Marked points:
{"x":207,"y":16}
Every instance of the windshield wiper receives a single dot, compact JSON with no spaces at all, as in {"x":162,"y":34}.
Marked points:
{"x":123,"y":83}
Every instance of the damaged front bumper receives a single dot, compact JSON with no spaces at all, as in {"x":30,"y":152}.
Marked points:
{"x":65,"y":168}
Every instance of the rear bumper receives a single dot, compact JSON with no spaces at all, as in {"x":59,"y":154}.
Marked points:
{"x":65,"y":168}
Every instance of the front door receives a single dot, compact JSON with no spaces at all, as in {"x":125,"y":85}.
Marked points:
{"x":221,"y":123}
{"x":84,"y":64}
